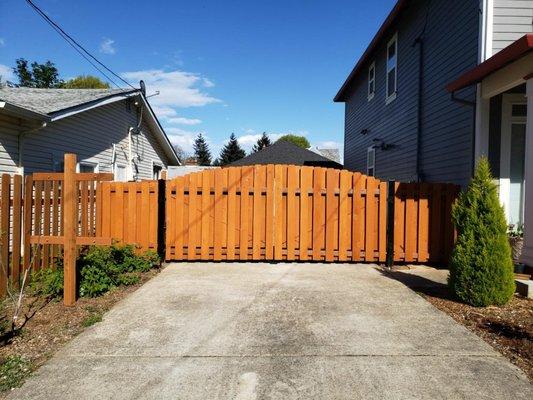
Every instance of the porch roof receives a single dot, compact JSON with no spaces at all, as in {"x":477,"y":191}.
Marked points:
{"x":511,"y":53}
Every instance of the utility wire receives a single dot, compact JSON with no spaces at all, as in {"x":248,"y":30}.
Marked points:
{"x":78,"y":47}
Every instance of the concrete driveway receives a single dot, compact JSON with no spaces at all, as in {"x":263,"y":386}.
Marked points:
{"x":276,"y":331}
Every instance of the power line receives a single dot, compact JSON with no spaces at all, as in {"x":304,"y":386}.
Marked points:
{"x":77,"y":46}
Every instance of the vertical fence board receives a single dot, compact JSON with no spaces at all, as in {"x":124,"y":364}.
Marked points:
{"x":345,"y":185}
{"x":16,"y":229}
{"x":306,"y":182}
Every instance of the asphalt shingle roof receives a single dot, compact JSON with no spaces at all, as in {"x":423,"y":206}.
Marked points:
{"x":284,"y":152}
{"x":48,"y":101}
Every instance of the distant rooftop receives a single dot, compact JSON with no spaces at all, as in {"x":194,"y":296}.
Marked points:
{"x":284,"y":152}
{"x":332,"y":154}
{"x":48,"y":101}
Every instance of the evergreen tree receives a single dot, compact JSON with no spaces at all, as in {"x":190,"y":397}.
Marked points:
{"x":231,"y":152}
{"x":201,"y":150}
{"x":262,"y":142}
{"x":481,"y":268}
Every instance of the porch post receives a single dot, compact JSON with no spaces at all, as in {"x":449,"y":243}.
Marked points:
{"x":527,"y":252}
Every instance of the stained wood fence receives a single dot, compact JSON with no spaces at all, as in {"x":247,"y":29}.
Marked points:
{"x":130,"y":213}
{"x":272,"y":212}
{"x":276,"y":212}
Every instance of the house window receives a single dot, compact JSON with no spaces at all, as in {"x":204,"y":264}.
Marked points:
{"x":120,"y":173}
{"x":157,"y":170}
{"x":392,"y":62}
{"x":371,"y":161}
{"x":84,"y":166}
{"x":371,"y":81}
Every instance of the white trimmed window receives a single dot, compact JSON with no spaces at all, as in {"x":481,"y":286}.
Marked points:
{"x":85,"y":166}
{"x":371,"y":81}
{"x":371,"y":161}
{"x":392,"y":69}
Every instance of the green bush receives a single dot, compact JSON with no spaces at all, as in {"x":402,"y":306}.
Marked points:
{"x":481,"y":269}
{"x":47,"y":282}
{"x":104,"y":268}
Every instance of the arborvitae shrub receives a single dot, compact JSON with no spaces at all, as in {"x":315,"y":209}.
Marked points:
{"x":481,"y":268}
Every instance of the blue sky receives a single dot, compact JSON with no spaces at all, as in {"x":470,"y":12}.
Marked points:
{"x":221,"y":66}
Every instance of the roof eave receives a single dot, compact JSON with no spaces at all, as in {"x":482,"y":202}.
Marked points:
{"x":161,"y":132}
{"x":22,"y":112}
{"x":508,"y":55}
{"x":398,"y":7}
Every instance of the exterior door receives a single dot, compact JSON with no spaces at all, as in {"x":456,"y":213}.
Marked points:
{"x":512,"y":157}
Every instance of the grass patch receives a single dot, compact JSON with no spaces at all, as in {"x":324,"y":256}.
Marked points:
{"x":91,"y":320}
{"x":13,"y":372}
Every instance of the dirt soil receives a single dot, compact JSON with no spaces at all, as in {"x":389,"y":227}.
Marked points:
{"x":54,"y":325}
{"x":509,"y":329}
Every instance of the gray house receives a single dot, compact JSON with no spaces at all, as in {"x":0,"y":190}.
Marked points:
{"x":110,"y":131}
{"x":442,"y":83}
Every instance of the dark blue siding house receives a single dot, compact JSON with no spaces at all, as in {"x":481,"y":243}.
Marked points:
{"x":400,"y":123}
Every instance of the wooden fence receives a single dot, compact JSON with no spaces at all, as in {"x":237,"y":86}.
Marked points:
{"x":130,"y":213}
{"x":423,"y":228}
{"x":276,"y":212}
{"x":272,"y":212}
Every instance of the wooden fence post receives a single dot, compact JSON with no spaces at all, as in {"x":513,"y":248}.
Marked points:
{"x":70,"y":203}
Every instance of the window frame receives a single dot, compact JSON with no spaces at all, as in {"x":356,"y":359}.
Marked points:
{"x":371,"y":67}
{"x":391,"y":97}
{"x":372,"y":150}
{"x":95,"y":165}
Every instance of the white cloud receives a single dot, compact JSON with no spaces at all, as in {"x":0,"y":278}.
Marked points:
{"x":251,"y":136}
{"x":177,"y":89}
{"x":6,"y":73}
{"x":106,"y":46}
{"x":182,"y":138}
{"x":2,"y":42}
{"x":183,"y":121}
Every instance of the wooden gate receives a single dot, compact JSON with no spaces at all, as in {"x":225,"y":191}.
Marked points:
{"x":276,"y":212}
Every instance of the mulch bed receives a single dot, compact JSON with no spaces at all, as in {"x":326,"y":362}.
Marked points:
{"x":54,"y":325}
{"x":509,"y":329}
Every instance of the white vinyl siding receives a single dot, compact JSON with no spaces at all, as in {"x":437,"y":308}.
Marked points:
{"x":10,"y":128}
{"x":91,"y":135}
{"x":512,"y":19}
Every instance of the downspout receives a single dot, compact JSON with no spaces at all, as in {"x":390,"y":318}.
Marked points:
{"x":20,"y":142}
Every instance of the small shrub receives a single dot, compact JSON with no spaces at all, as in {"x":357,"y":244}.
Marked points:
{"x":103,"y":268}
{"x":13,"y":371}
{"x":481,"y":268}
{"x":47,"y":283}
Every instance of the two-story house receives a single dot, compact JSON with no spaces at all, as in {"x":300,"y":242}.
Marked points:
{"x":442,"y":83}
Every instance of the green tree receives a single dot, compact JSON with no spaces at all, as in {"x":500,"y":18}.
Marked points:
{"x":85,"y":82}
{"x":297,"y":140}
{"x":37,"y":75}
{"x":481,"y":268}
{"x":201,"y":150}
{"x":231,"y":152}
{"x":262,"y":142}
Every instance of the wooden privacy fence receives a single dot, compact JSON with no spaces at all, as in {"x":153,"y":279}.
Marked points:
{"x":279,"y":212}
{"x":276,"y":212}
{"x":269,"y":212}
{"x":130,"y":213}
{"x":423,"y":228}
